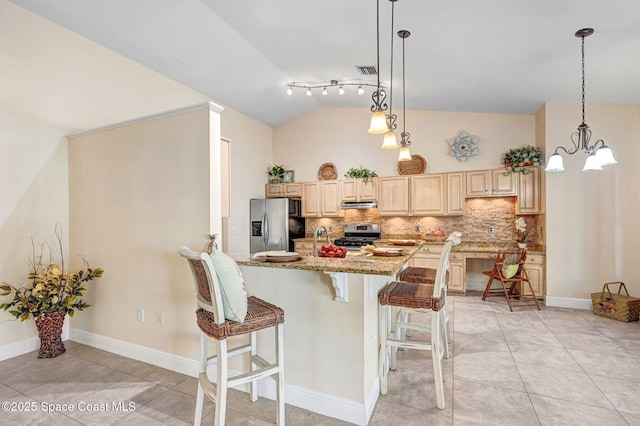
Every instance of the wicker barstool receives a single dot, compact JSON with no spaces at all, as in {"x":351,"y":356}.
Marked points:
{"x":210,"y":319}
{"x":414,"y":298}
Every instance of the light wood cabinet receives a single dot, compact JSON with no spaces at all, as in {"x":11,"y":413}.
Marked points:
{"x":491,"y":183}
{"x":422,"y":195}
{"x":455,"y":186}
{"x":304,"y":248}
{"x":427,"y":195}
{"x":530,"y":192}
{"x":429,"y":257}
{"x":276,"y":190}
{"x":393,"y":196}
{"x":359,"y":190}
{"x":321,"y":199}
{"x":535,"y":268}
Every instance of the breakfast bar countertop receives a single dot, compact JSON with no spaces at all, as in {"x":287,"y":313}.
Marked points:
{"x":357,"y":263}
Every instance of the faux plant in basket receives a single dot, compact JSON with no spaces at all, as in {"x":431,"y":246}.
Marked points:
{"x":360,"y":172}
{"x":516,"y":160}
{"x":52,"y":293}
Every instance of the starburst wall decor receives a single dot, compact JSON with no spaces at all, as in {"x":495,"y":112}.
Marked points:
{"x":463,"y":146}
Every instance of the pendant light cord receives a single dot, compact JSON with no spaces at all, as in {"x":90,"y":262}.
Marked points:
{"x":393,"y":3}
{"x":582,"y":79}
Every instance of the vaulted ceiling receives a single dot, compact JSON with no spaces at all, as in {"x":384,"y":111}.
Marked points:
{"x":502,"y":56}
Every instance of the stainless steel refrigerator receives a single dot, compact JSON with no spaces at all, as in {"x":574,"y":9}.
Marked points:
{"x":275,"y":223}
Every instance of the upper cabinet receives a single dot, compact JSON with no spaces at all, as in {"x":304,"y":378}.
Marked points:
{"x":276,"y":190}
{"x":422,"y":195}
{"x":427,"y":195}
{"x":530,"y":192}
{"x":491,"y":183}
{"x":393,"y":196}
{"x":359,"y":190}
{"x":321,"y":199}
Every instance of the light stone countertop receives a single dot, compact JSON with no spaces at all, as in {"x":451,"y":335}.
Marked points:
{"x":352,"y":264}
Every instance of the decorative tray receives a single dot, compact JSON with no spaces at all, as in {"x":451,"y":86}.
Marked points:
{"x":327,"y":172}
{"x":388,"y":252}
{"x":289,"y":256}
{"x":403,"y":242}
{"x":416,"y":166}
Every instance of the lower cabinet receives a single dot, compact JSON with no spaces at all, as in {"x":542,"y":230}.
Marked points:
{"x":303,"y":248}
{"x":429,"y":257}
{"x":535,"y":268}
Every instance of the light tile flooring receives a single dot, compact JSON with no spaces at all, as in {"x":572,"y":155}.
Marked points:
{"x":549,"y":367}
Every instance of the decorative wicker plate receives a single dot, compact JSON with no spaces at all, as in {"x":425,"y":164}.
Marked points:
{"x":416,"y":166}
{"x":327,"y":172}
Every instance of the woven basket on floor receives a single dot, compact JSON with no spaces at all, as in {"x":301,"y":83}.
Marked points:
{"x":616,"y":306}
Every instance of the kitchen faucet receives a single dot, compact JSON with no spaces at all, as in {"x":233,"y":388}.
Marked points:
{"x":315,"y":238}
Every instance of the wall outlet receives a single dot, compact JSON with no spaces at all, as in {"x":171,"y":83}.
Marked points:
{"x":140,"y":315}
{"x":160,"y":318}
{"x":330,"y":228}
{"x":491,"y":229}
{"x":417,"y":228}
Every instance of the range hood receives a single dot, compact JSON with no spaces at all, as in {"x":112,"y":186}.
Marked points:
{"x":359,"y":205}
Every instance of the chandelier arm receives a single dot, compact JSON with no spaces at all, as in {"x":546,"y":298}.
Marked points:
{"x":565,"y":150}
{"x":595,"y":146}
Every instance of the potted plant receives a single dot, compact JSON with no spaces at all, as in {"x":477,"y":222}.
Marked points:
{"x":521,"y":232}
{"x":52,"y":293}
{"x":276,"y":171}
{"x":516,"y":160}
{"x":360,"y":172}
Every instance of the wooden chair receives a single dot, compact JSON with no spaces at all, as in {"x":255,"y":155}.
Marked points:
{"x":413,"y":298}
{"x":509,"y":271}
{"x":210,"y":319}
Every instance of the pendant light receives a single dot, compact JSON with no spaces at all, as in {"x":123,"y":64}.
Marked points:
{"x":378,"y":118}
{"x":405,"y":154}
{"x":390,"y":141}
{"x":598,"y":154}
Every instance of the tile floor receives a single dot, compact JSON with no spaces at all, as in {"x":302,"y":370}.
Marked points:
{"x":549,"y":367}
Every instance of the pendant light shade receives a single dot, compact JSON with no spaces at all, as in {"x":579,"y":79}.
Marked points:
{"x":555,"y":164}
{"x":405,"y":154}
{"x":605,"y":156}
{"x":378,"y":123}
{"x":390,"y":141}
{"x":592,"y":163}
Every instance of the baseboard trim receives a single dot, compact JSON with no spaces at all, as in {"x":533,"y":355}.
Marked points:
{"x":19,"y":348}
{"x":568,"y":302}
{"x":318,"y":402}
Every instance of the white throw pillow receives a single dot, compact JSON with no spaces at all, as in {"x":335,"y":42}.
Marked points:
{"x":234,"y":292}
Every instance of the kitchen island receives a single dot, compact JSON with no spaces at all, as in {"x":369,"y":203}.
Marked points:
{"x":331,"y":328}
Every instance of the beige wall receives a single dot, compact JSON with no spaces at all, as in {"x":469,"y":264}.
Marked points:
{"x":137,"y":193}
{"x":592,"y":231}
{"x":339,"y":136}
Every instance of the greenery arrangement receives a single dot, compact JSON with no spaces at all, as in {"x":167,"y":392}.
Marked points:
{"x":52,"y":288}
{"x":277,"y":170}
{"x":360,"y":172}
{"x":516,"y":160}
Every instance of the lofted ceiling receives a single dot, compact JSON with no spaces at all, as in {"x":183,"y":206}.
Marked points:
{"x":498,"y":56}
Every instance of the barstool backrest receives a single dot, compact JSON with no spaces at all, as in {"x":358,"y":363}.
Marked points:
{"x":208,"y":294}
{"x":443,"y":263}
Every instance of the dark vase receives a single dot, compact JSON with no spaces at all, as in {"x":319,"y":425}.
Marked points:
{"x":50,"y":332}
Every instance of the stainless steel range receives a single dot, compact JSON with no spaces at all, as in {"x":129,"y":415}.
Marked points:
{"x":358,"y":235}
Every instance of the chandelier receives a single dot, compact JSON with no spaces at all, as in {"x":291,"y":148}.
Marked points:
{"x":598,"y":154}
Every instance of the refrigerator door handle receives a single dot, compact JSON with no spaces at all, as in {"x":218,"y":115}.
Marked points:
{"x":265,"y":231}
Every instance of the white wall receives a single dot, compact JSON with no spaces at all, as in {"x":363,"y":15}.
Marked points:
{"x":339,"y":136}
{"x":592,"y":231}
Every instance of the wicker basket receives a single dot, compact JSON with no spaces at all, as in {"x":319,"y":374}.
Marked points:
{"x":616,"y":306}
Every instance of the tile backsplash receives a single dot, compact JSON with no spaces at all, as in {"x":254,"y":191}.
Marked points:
{"x":479,"y":215}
